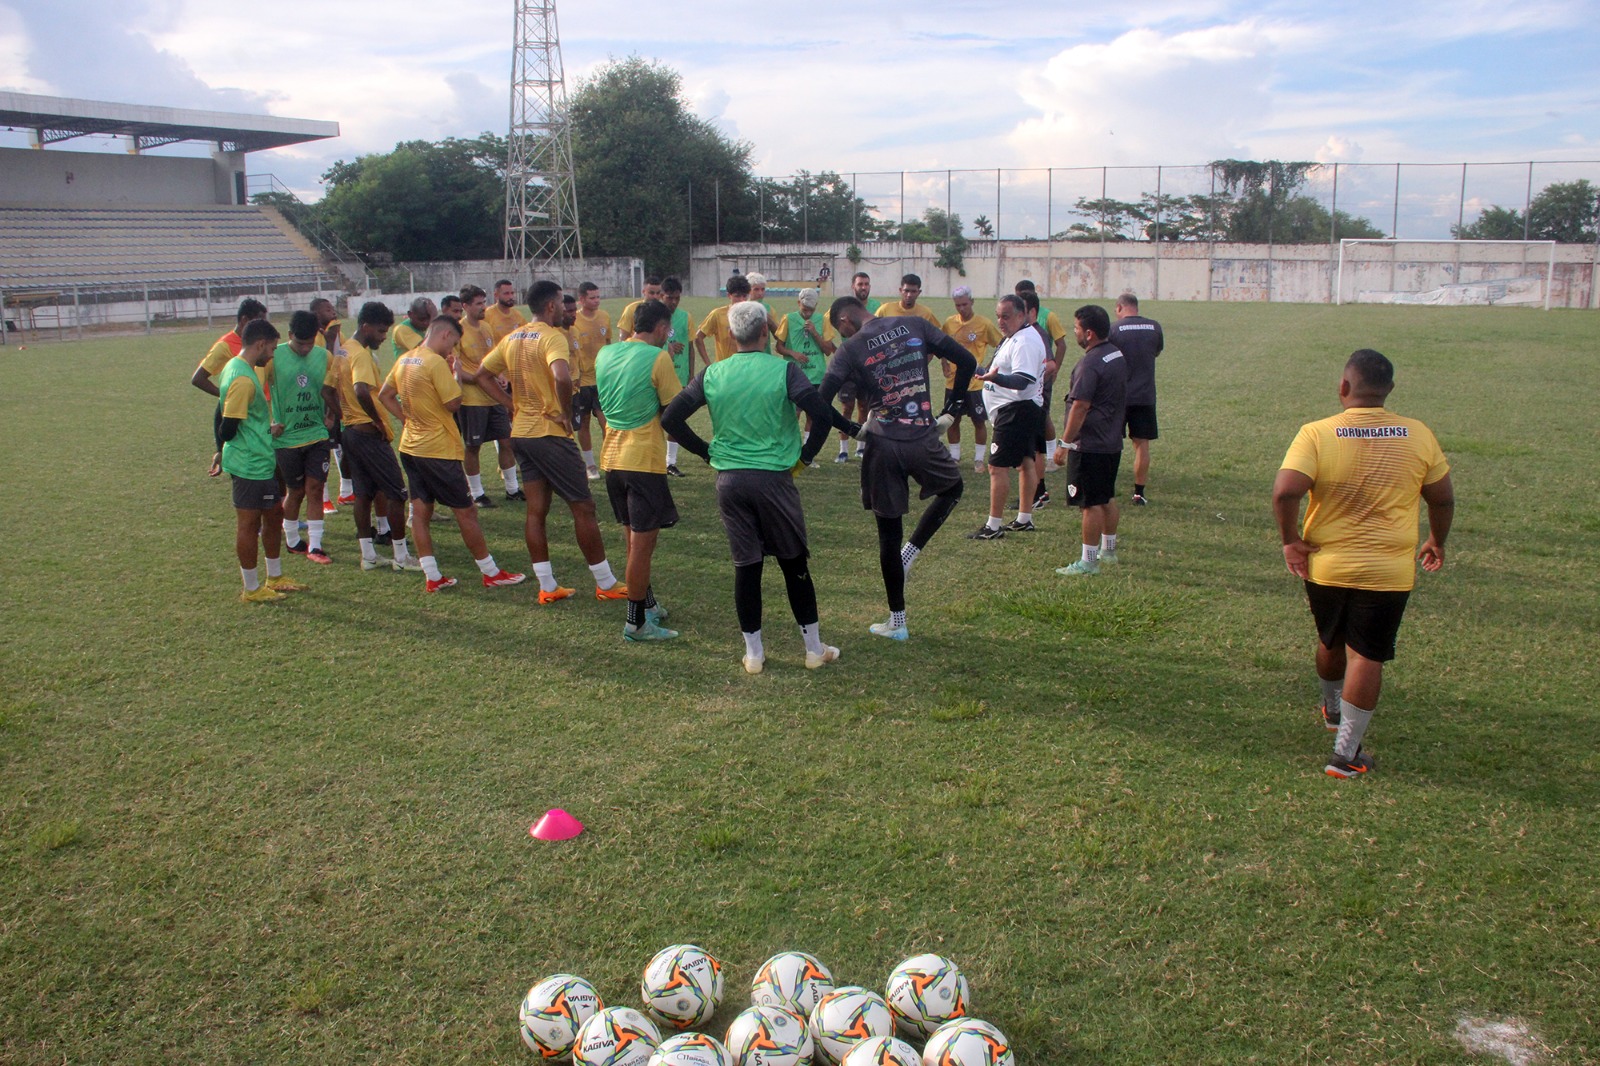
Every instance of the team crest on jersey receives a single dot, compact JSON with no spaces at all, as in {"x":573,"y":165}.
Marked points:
{"x":302,"y":380}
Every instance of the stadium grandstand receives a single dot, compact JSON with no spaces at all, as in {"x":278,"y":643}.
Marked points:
{"x":98,"y":238}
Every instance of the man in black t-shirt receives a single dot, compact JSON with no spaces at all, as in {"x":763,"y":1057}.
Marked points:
{"x":1140,"y":341}
{"x":886,"y":359}
{"x":1093,"y":437}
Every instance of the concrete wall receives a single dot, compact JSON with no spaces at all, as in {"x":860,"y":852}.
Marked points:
{"x":616,"y":277}
{"x":51,"y":176}
{"x":1172,"y":271}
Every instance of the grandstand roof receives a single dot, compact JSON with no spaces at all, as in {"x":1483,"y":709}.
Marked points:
{"x":54,"y":119}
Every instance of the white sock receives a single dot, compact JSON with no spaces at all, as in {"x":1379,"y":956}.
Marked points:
{"x":338,"y":455}
{"x":509,"y":476}
{"x":291,"y":531}
{"x":992,"y":522}
{"x":546,"y":575}
{"x":897,"y":619}
{"x":861,"y":446}
{"x":603,"y":577}
{"x":1108,"y":542}
{"x":1332,"y":692}
{"x":977,"y":452}
{"x":252,"y":580}
{"x":347,"y":488}
{"x":753,"y":647}
{"x":430,"y":568}
{"x":1091,"y":554}
{"x":475,"y":483}
{"x":908,"y":555}
{"x":1352,"y":727}
{"x":314,"y":533}
{"x":955,"y":450}
{"x":588,"y":458}
{"x":1024,"y":516}
{"x":327,"y":493}
{"x":275,"y":569}
{"x":486,"y":566}
{"x":402,"y":551}
{"x":383,"y":524}
{"x":844,"y":448}
{"x":368,"y":552}
{"x":672,"y":453}
{"x":812,"y":635}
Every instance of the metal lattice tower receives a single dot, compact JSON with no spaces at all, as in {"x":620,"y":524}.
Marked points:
{"x":541,"y":195}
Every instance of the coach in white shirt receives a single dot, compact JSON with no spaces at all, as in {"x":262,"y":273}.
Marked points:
{"x":1011,"y":397}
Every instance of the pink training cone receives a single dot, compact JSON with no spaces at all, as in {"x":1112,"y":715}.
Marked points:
{"x":556,"y":824}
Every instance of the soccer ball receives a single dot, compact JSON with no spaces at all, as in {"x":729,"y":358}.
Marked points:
{"x":882,"y":1051}
{"x":682,"y":986}
{"x":691,"y":1049}
{"x":845,"y":1017}
{"x":616,"y":1036}
{"x":769,"y":1036}
{"x":968,"y":1042}
{"x":924,"y":992}
{"x":792,"y":980}
{"x":552,"y":1012}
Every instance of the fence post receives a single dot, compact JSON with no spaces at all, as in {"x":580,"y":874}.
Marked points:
{"x":855,"y":211}
{"x":1461,"y":218}
{"x":716,"y":191}
{"x":902,"y":199}
{"x":997,"y":203}
{"x":208,"y":303}
{"x":1394,"y":227}
{"x":1211,"y":230}
{"x":1049,"y":229}
{"x":77,"y":312}
{"x":5,"y":338}
{"x":147,"y":307}
{"x":1103,"y":186}
{"x":1333,"y":237}
{"x":1527,"y":203}
{"x":1156,"y":288}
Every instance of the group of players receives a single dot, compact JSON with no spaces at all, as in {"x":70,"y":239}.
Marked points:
{"x":482,"y":372}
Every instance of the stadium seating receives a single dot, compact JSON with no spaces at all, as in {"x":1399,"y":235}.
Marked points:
{"x":104,"y":247}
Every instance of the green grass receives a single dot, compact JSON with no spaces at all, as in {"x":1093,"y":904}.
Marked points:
{"x":298,"y":833}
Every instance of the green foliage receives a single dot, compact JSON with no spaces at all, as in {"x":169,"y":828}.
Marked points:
{"x":1565,"y":211}
{"x":422,"y":201}
{"x":1494,"y":223}
{"x":984,"y":227}
{"x":813,"y":207}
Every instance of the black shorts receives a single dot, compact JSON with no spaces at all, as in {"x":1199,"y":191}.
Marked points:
{"x":974,"y":409}
{"x":252,"y":495}
{"x":307,"y":461}
{"x":1091,"y":477}
{"x":585,"y":401}
{"x":641,"y":501}
{"x":1016,"y":429}
{"x":370,"y":465}
{"x":479,"y":424}
{"x":761,"y":514}
{"x":556,"y":460}
{"x":1364,"y":620}
{"x":441,"y":481}
{"x":847,"y":394}
{"x":1141,"y":421}
{"x":1042,"y":435}
{"x":886,"y":464}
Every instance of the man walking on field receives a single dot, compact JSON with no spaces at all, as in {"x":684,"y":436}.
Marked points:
{"x":1140,"y":341}
{"x":1364,"y":470}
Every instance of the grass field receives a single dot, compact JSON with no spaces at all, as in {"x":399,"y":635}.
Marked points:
{"x":298,"y":832}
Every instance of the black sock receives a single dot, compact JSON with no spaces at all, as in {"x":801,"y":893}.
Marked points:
{"x":650,"y":598}
{"x":636,"y":613}
{"x":894,"y":571}
{"x":1138,"y":490}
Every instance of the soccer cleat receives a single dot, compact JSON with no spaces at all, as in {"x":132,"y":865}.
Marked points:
{"x":298,"y":547}
{"x":842,"y":457}
{"x":1079,"y":568}
{"x":410,"y":563}
{"x":592,"y":473}
{"x":262,"y":594}
{"x":1040,"y":499}
{"x":1330,"y":720}
{"x":381,"y":540}
{"x":979,"y":466}
{"x":814,"y":660}
{"x":501,"y":579}
{"x":985,"y":533}
{"x":1139,"y":501}
{"x":373,"y":563}
{"x":519,"y":496}
{"x":1338,"y":766}
{"x":1014,"y":526}
{"x":484,"y":502}
{"x":317,"y":555}
{"x":619,"y":591}
{"x":890,"y":630}
{"x":283,"y":584}
{"x":647,"y":632}
{"x":329,"y":507}
{"x":347,"y":501}
{"x":656,"y":614}
{"x":553,"y":595}
{"x":754,"y":664}
{"x":1107,"y":555}
{"x":672,"y":469}
{"x":442,"y":584}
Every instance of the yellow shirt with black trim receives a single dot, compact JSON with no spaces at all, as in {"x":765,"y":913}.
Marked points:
{"x":593,"y":333}
{"x":644,"y":448}
{"x":715,"y":326}
{"x":404,"y":337}
{"x":977,"y":335}
{"x":1367,"y":467}
{"x":625,"y":321}
{"x":425,"y":383}
{"x":357,"y":364}
{"x":475,"y":343}
{"x":501,"y":322}
{"x":525,"y":358}
{"x":892,"y":309}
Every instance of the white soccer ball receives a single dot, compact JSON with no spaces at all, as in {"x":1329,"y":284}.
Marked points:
{"x":924,"y":992}
{"x":845,"y":1017}
{"x":682,"y":986}
{"x":882,"y":1051}
{"x":691,"y":1049}
{"x":769,"y":1036}
{"x":616,"y":1036}
{"x":792,"y":980}
{"x":553,"y":1011}
{"x":968,"y":1042}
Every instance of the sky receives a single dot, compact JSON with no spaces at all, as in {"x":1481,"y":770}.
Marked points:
{"x":870,"y":87}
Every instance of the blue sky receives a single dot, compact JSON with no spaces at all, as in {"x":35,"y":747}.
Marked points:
{"x":866,"y":86}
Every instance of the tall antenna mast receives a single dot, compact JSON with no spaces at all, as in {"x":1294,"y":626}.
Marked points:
{"x":541,"y":195}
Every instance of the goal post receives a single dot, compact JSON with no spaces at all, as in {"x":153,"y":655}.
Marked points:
{"x":1445,"y":273}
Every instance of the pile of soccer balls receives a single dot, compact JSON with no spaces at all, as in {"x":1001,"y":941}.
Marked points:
{"x":796,"y":1017}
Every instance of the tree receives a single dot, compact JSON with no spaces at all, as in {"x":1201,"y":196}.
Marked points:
{"x":815,"y":207}
{"x":1493,"y":223}
{"x":1565,"y":211}
{"x":984,"y":227}
{"x":422,"y":201}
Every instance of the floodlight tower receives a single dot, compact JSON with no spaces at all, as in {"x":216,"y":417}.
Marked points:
{"x":541,"y":196}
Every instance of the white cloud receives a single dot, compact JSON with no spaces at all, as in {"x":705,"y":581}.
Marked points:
{"x":1337,"y":149}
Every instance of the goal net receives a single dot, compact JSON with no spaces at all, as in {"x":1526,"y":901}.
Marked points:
{"x":1445,"y":273}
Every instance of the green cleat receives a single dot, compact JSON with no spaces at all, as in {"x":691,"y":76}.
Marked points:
{"x":1079,"y":568}
{"x":656,"y":614}
{"x":647,"y":632}
{"x":1107,"y":557}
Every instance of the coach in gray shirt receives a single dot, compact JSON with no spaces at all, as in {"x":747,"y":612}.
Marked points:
{"x":1140,"y":340}
{"x":1093,"y":437}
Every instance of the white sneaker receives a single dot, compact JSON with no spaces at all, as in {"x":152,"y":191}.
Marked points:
{"x":754,"y":664}
{"x":373,"y":563}
{"x":409,"y":564}
{"x":594,"y":473}
{"x":813,"y":660}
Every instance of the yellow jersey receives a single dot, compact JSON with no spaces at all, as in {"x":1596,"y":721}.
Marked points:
{"x":715,"y":326}
{"x":1367,"y":467}
{"x":525,"y":359}
{"x":404,"y":337}
{"x":227,"y":346}
{"x":358,"y":365}
{"x":625,"y":322}
{"x":474,"y":344}
{"x":892,"y":309}
{"x":501,"y":322}
{"x":977,"y":335}
{"x":644,"y":448}
{"x":425,"y":383}
{"x":593,"y":333}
